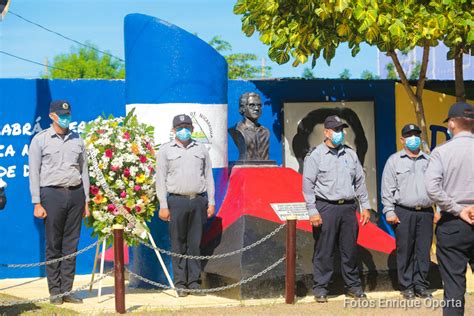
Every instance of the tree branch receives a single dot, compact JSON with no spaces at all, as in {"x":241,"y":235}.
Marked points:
{"x":402,"y":75}
{"x":424,"y":68}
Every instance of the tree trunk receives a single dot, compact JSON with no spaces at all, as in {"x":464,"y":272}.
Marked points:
{"x":416,"y":97}
{"x":459,"y":77}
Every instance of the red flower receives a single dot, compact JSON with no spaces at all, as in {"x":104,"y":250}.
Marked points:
{"x":114,"y":168}
{"x":111,"y":208}
{"x":151,"y":169}
{"x":108,"y":153}
{"x":126,"y":172}
{"x":137,"y":188}
{"x":126,"y":135}
{"x":148,"y":146}
{"x":138,"y":208}
{"x":101,"y":131}
{"x":128,"y":209}
{"x":123,"y":194}
{"x":94,"y":190}
{"x":143,"y":159}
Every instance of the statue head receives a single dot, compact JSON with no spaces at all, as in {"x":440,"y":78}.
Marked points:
{"x":250,"y":106}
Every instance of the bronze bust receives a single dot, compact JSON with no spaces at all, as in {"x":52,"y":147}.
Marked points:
{"x":251,"y":138}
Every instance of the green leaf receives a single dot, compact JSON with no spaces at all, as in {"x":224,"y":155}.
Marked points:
{"x":355,"y":51}
{"x":240,"y":7}
{"x":279,"y":56}
{"x":341,"y":5}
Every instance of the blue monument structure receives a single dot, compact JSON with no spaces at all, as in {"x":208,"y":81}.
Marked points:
{"x":168,"y":72}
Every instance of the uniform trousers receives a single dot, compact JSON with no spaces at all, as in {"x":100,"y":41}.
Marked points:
{"x":187,"y":220}
{"x":340,"y":228}
{"x":64,"y":208}
{"x":414,"y":236}
{"x":454,"y":250}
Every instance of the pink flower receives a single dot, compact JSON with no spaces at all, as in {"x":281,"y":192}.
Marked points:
{"x":138,"y":209}
{"x":101,"y":131}
{"x":123,"y":194}
{"x":126,"y":172}
{"x":94,"y":190}
{"x":108,"y":153}
{"x":111,"y":208}
{"x":114,"y":168}
{"x":143,"y":159}
{"x":151,"y":169}
{"x":126,"y":135}
{"x":137,"y":188}
{"x":148,"y":146}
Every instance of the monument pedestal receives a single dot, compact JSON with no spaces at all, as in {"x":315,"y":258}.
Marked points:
{"x":246,"y":216}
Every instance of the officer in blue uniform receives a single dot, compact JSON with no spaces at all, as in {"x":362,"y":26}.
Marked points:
{"x":333,"y":179}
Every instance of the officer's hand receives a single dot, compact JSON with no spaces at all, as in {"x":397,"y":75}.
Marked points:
{"x":364,"y":217}
{"x":210,"y":210}
{"x":39,"y":211}
{"x":164,"y":214}
{"x":436,"y":217}
{"x":316,"y":220}
{"x":393,"y":220}
{"x":86,"y":212}
{"x":465,"y":215}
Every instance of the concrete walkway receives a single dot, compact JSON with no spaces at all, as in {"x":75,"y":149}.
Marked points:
{"x":141,"y":300}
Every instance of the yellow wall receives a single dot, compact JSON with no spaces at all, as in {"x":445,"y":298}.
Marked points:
{"x":436,"y":109}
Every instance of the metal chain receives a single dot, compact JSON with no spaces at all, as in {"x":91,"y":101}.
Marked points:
{"x":38,"y":264}
{"x":37,"y":300}
{"x":228,"y":254}
{"x":217,"y":289}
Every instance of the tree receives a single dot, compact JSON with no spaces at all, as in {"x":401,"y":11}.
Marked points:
{"x":308,"y":74}
{"x":391,"y":72}
{"x":85,"y":62}
{"x":345,"y":74}
{"x":415,"y":73}
{"x":304,"y":29}
{"x":368,"y":75}
{"x":240,"y":66}
{"x":459,"y":37}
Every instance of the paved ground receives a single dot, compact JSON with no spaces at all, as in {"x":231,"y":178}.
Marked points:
{"x":155,"y":302}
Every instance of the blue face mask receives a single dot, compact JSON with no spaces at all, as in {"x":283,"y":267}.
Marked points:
{"x":450,"y":134}
{"x":183,"y":134}
{"x":413,"y":142}
{"x":64,"y":120}
{"x":337,"y":138}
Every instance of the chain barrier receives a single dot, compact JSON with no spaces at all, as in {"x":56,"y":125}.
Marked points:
{"x":37,"y":300}
{"x":228,"y":254}
{"x":38,"y":264}
{"x":217,"y":289}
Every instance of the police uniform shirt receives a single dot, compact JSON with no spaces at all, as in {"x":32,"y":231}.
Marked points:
{"x":451,"y":169}
{"x":183,"y":170}
{"x":403,"y":182}
{"x":57,"y":161}
{"x":333,"y":174}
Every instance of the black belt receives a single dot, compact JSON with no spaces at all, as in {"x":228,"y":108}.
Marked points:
{"x":338,"y":202}
{"x":75,"y":187}
{"x":416,"y":208}
{"x":189,"y":196}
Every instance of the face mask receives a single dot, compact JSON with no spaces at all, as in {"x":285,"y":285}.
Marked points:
{"x":183,"y":134}
{"x":337,"y":138}
{"x":450,"y":134}
{"x":64,"y":120}
{"x":413,"y":142}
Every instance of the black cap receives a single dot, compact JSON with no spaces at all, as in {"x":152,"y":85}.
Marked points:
{"x":460,"y":109}
{"x":334,"y":121}
{"x":60,"y":107}
{"x":410,"y":128}
{"x":182,"y":119}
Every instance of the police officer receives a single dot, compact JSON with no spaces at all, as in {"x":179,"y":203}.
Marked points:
{"x":332,"y":181}
{"x":185,"y":189}
{"x":59,"y":185}
{"x":449,"y":181}
{"x":408,"y":207}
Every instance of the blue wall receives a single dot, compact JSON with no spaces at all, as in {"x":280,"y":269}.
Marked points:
{"x":21,"y":101}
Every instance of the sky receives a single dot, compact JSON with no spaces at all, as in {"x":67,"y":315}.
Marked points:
{"x":101,"y":23}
